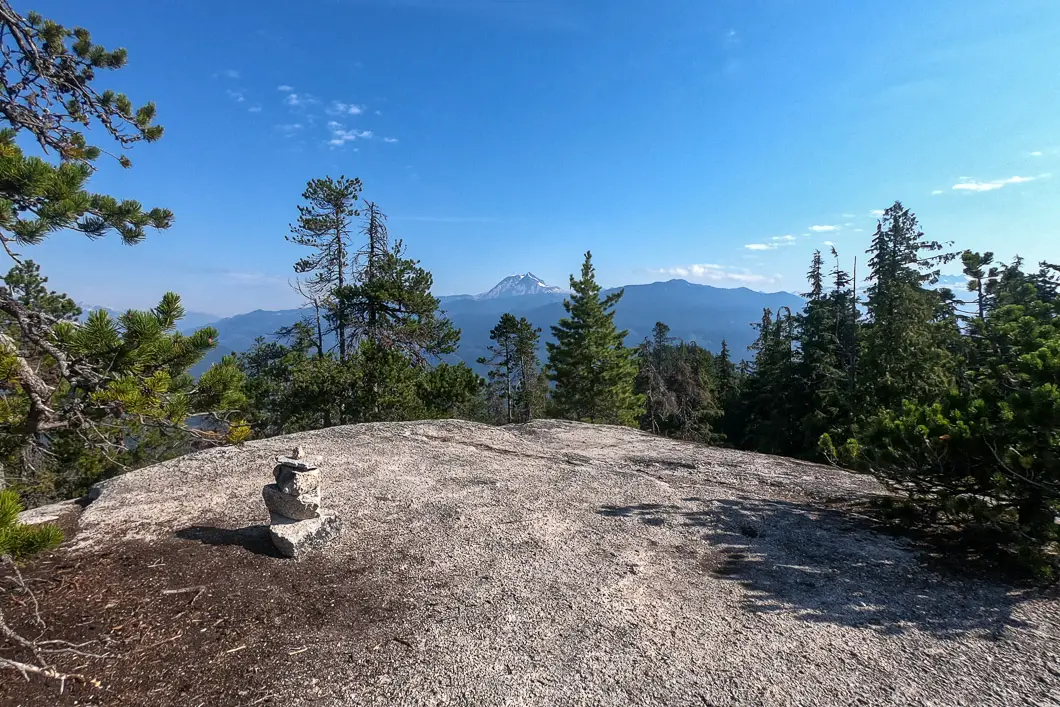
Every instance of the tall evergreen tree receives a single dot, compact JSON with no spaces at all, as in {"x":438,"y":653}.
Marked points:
{"x":591,"y":368}
{"x":824,"y":402}
{"x":904,"y":355}
{"x":532,"y":386}
{"x":325,"y":223}
{"x":503,"y":364}
{"x":771,"y":397}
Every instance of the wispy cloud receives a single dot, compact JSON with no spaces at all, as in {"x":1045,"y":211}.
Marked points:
{"x":254,"y":109}
{"x":877,"y":212}
{"x":974,"y":186}
{"x":947,"y":280}
{"x":859,"y":230}
{"x":340,"y":135}
{"x":849,"y":216}
{"x":718,"y":274}
{"x":285,"y":88}
{"x":236,"y":96}
{"x":340,"y":108}
{"x":936,"y":192}
{"x":824,"y":229}
{"x":390,"y":139}
{"x":1036,"y":153}
{"x":252,"y":278}
{"x":230,"y":74}
{"x":289,"y":128}
{"x":828,"y":243}
{"x":298,"y":100}
{"x":774,"y":243}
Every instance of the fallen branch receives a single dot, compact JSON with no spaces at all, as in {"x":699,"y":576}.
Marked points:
{"x":38,"y":648}
{"x":26,"y":669}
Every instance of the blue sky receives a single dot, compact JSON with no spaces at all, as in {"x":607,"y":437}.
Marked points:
{"x":720,"y":141}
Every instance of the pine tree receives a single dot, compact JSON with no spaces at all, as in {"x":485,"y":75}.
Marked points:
{"x":324,"y":224}
{"x":823,"y":404}
{"x":771,"y":395}
{"x":25,"y":283}
{"x":50,"y":99}
{"x":503,"y":365}
{"x":532,"y":388}
{"x":905,"y":358}
{"x":591,"y":368}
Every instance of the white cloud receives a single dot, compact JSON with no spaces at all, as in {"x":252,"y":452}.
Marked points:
{"x":975,"y":186}
{"x":231,"y":74}
{"x":289,"y":128}
{"x":849,"y":216}
{"x":237,"y":96}
{"x":936,"y":192}
{"x":254,"y":109}
{"x":293,"y":99}
{"x":828,"y":243}
{"x":848,"y":224}
{"x":783,"y":239}
{"x":760,"y":246}
{"x":1036,"y":153}
{"x":340,"y":135}
{"x":285,"y":88}
{"x":859,"y":230}
{"x":252,"y":278}
{"x":824,"y":229}
{"x":390,"y":139}
{"x":718,"y":274}
{"x":340,"y":108}
{"x":877,"y":212}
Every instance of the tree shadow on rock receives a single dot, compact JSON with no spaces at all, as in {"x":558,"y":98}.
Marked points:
{"x":824,"y":565}
{"x":253,"y":538}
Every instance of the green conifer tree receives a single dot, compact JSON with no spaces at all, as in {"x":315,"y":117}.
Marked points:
{"x":325,"y":224}
{"x":904,"y":357}
{"x":591,"y":368}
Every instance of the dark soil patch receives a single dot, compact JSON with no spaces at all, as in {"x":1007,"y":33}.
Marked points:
{"x":207,"y":618}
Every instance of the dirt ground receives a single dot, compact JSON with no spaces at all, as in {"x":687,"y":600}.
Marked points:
{"x":212,"y":618}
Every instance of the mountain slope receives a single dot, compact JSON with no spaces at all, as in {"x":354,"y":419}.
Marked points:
{"x":520,"y":286}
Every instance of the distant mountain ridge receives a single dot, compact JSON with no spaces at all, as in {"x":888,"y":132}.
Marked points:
{"x":700,"y":313}
{"x":190,"y":322}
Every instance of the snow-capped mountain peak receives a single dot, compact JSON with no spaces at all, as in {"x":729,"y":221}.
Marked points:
{"x":520,"y":285}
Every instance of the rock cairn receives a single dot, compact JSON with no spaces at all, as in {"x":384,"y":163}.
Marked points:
{"x":297,"y":522}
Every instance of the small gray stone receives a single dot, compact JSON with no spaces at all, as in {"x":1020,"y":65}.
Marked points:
{"x":296,"y":464}
{"x":295,"y":537}
{"x":298,"y":453}
{"x":297,"y":483}
{"x":293,"y":507}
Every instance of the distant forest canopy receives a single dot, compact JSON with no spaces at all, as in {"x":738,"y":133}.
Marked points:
{"x":951,"y":400}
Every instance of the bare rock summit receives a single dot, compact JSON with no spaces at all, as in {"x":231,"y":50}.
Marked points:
{"x":552,"y":563}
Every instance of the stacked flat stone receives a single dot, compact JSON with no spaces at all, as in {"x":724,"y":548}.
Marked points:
{"x":297,"y":522}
